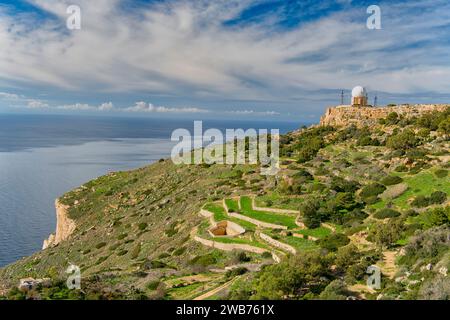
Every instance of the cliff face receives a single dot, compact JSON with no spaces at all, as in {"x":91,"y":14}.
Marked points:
{"x":366,"y":116}
{"x":64,"y":226}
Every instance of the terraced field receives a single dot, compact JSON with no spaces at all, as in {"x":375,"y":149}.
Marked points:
{"x":298,"y":238}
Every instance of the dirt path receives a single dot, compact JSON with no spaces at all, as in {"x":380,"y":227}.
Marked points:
{"x":216,"y":290}
{"x":388,"y":263}
{"x":359,"y":239}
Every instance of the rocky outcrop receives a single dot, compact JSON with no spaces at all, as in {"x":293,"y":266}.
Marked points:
{"x":366,"y":116}
{"x":64,"y":226}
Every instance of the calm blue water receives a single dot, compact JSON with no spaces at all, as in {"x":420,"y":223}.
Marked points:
{"x":44,"y":156}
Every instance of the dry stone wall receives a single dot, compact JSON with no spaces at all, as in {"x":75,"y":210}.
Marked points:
{"x":366,"y":116}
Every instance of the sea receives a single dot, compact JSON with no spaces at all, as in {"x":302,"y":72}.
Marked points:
{"x":42,"y":156}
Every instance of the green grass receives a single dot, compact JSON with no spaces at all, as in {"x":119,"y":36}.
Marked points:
{"x":319,"y":232}
{"x":232,"y":205}
{"x":219,"y":215}
{"x":278,"y":201}
{"x":299,"y":243}
{"x":240,"y":241}
{"x":186,"y":291}
{"x":423,"y":183}
{"x":217,"y":210}
{"x":247,"y":210}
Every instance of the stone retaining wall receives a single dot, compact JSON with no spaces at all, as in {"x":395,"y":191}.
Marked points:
{"x":256,"y":222}
{"x":229,"y":246}
{"x":277,"y":243}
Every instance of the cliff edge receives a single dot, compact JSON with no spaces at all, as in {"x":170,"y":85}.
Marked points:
{"x":64,"y":226}
{"x":366,"y":116}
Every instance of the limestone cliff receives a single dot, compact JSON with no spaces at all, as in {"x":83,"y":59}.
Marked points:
{"x":366,"y":116}
{"x":64,"y":226}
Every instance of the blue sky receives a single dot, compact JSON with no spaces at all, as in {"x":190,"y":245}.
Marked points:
{"x":223,"y":58}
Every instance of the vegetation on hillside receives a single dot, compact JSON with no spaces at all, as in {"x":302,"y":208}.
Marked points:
{"x":344,"y":199}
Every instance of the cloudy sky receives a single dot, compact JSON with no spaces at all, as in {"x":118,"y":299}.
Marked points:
{"x":220,"y":58}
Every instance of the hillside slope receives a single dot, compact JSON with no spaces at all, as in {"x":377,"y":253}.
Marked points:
{"x":345,"y":199}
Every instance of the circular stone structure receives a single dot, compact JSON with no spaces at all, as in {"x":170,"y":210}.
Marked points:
{"x":226,"y":228}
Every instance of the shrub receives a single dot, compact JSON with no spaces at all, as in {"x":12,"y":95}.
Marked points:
{"x":401,"y":168}
{"x":122,"y":236}
{"x":156,"y":264}
{"x":311,"y":218}
{"x":163,"y":255}
{"x":386,"y":213}
{"x":342,"y":185}
{"x":142,"y":226}
{"x":436,"y":217}
{"x":428,"y":244}
{"x":305,"y":175}
{"x":135,"y":252}
{"x":391,"y":180}
{"x":336,"y":290}
{"x":371,"y":190}
{"x":101,"y":260}
{"x":416,"y":154}
{"x":179,"y":251}
{"x":441,"y":173}
{"x":236,"y":272}
{"x":405,"y":140}
{"x":241,"y":256}
{"x":171,"y":232}
{"x":205,"y":260}
{"x":392,"y":118}
{"x":153,"y":285}
{"x":269,"y":203}
{"x":388,"y":233}
{"x":438,"y":197}
{"x":114,"y":246}
{"x":444,"y":126}
{"x":371,"y":200}
{"x":100,"y":245}
{"x":421,"y":202}
{"x":122,"y":252}
{"x":333,"y":241}
{"x":368,"y":141}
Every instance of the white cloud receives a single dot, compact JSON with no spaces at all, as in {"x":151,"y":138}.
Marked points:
{"x":107,"y":106}
{"x":8,"y":96}
{"x":36,"y":104}
{"x":148,"y":107}
{"x":183,"y":49}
